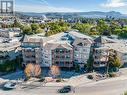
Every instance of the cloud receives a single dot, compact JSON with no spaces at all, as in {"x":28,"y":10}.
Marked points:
{"x":114,"y":3}
{"x":44,"y":1}
{"x":44,"y":8}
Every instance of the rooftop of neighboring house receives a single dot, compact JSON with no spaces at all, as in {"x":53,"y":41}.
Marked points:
{"x":34,"y":38}
{"x":104,"y":40}
{"x":7,"y":44}
{"x":10,"y":30}
{"x":116,"y":44}
{"x":120,"y":46}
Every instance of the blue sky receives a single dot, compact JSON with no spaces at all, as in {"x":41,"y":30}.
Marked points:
{"x":71,"y":5}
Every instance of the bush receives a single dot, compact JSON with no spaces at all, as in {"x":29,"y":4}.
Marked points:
{"x":42,"y":80}
{"x":90,"y":77}
{"x":59,"y":80}
{"x":76,"y":67}
{"x":112,"y":75}
{"x":8,"y":66}
{"x":11,"y":65}
{"x":125,"y":93}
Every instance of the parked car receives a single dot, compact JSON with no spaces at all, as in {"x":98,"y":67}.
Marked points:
{"x":10,"y":85}
{"x":65,"y":89}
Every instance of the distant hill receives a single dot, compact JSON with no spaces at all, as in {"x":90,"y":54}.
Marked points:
{"x":91,"y":14}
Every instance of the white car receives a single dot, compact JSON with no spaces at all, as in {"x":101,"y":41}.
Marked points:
{"x":10,"y":85}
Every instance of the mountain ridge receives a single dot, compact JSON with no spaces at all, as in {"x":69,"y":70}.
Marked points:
{"x":90,"y":14}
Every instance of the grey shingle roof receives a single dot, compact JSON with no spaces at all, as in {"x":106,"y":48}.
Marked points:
{"x":100,"y":39}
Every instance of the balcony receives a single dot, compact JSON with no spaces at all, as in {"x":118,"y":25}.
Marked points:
{"x":100,"y":64}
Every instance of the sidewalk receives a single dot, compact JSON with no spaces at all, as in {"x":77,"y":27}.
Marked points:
{"x":74,"y":81}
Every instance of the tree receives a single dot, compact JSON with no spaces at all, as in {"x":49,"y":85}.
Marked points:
{"x":89,"y":66}
{"x":113,"y":26}
{"x":102,"y":26}
{"x":16,"y":23}
{"x":77,"y":67}
{"x":37,"y":70}
{"x":32,"y":70}
{"x":39,"y":30}
{"x":83,"y":28}
{"x":123,"y":33}
{"x":7,"y":66}
{"x":113,"y":63}
{"x":29,"y":70}
{"x":117,"y":62}
{"x":125,"y":93}
{"x":117,"y":31}
{"x":34,"y":27}
{"x":27,"y":30}
{"x":54,"y":71}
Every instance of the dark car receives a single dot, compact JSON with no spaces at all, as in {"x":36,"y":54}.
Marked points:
{"x":65,"y":89}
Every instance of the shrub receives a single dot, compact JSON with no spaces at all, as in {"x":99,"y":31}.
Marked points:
{"x":59,"y":80}
{"x":112,"y":75}
{"x":41,"y":80}
{"x":125,"y":93}
{"x":90,"y":77}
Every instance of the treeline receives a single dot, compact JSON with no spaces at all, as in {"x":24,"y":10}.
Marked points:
{"x":56,"y":27}
{"x":48,"y":28}
{"x":107,"y":26}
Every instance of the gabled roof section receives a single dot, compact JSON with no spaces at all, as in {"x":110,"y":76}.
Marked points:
{"x":52,"y":46}
{"x":78,"y":41}
{"x":33,"y":39}
{"x":26,"y":38}
{"x":101,"y":40}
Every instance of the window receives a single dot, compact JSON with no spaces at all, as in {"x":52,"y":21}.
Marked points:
{"x":63,"y":57}
{"x":61,"y":62}
{"x":80,"y":44}
{"x":57,"y":50}
{"x":57,"y":57}
{"x":68,"y":56}
{"x":33,"y":61}
{"x":67,"y":62}
{"x":61,"y":51}
{"x":76,"y":49}
{"x":33,"y":56}
{"x":56,"y":63}
{"x":76,"y":55}
{"x":85,"y":50}
{"x":67,"y":51}
{"x":85,"y":44}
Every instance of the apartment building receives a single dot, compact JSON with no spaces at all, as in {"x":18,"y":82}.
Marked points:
{"x":31,"y":50}
{"x":104,"y":46}
{"x":62,"y":55}
{"x":100,"y":52}
{"x":63,"y":49}
{"x":81,"y":48}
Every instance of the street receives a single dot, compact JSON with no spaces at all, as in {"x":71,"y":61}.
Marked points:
{"x":114,"y":86}
{"x":80,"y":83}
